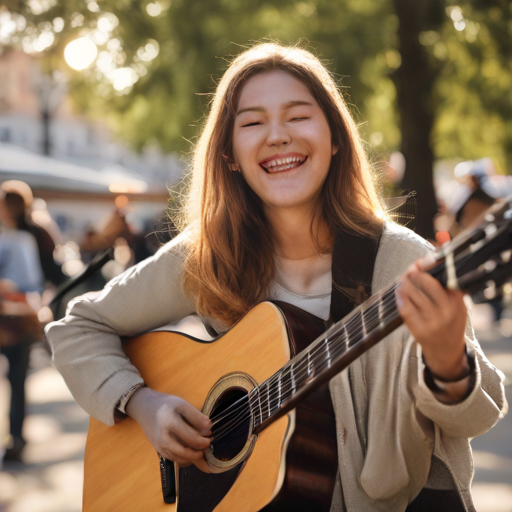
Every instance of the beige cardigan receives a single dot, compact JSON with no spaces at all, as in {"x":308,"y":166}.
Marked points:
{"x":389,"y":423}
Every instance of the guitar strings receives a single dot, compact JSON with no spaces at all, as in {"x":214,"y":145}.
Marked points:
{"x":233,"y":427}
{"x":349,"y":328}
{"x":229,"y":430}
{"x":336,"y":333}
{"x":330,"y":333}
{"x":242,"y":423}
{"x":337,"y":347}
{"x":363,"y":323}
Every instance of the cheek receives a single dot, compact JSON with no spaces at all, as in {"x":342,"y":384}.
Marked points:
{"x":242,"y":145}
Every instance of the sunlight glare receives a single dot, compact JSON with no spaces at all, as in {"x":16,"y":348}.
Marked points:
{"x":80,"y":53}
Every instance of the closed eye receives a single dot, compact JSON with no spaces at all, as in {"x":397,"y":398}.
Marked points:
{"x":299,"y":118}
{"x":251,"y":124}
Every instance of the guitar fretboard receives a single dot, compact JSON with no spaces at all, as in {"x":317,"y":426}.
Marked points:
{"x":274,"y":396}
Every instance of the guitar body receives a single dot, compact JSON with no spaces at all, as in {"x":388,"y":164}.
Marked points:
{"x":122,"y":471}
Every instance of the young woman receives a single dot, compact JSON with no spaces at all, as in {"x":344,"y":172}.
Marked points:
{"x":282,"y":206}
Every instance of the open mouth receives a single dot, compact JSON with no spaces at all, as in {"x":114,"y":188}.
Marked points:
{"x":283,"y":164}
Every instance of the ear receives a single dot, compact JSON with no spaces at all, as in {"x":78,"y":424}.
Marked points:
{"x":234,"y":167}
{"x":334,"y":149}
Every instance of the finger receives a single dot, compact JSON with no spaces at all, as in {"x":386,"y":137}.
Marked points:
{"x":408,"y":310}
{"x":416,"y":295}
{"x":188,"y":435}
{"x":195,"y":418}
{"x":175,"y":451}
{"x":427,"y":262}
{"x":431,"y":288}
{"x":422,"y":264}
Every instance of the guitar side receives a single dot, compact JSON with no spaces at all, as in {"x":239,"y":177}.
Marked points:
{"x":121,"y":469}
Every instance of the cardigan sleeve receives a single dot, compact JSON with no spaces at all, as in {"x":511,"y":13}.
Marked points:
{"x":479,"y":411}
{"x":86,"y":344}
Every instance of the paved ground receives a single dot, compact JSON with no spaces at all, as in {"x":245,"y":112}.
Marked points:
{"x":51,"y":478}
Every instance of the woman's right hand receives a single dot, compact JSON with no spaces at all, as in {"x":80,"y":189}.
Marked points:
{"x":176,"y":429}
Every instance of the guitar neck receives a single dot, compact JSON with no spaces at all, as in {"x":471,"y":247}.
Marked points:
{"x":327,"y":356}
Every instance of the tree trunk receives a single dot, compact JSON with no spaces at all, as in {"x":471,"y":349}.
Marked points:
{"x":414,"y":81}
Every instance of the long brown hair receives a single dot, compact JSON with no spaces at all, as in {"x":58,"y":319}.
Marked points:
{"x":231,"y":261}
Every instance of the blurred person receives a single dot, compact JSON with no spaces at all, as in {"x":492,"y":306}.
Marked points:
{"x":42,"y":217}
{"x":115,"y":226}
{"x":20,"y":273}
{"x":283,"y":207}
{"x":476,"y":192}
{"x":18,"y":200}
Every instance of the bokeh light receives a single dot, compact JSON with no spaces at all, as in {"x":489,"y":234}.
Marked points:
{"x":80,"y":53}
{"x":154,"y":9}
{"x":123,"y":78}
{"x":149,"y":51}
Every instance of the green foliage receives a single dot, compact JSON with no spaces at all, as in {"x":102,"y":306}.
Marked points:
{"x":474,"y":104}
{"x":357,"y":38}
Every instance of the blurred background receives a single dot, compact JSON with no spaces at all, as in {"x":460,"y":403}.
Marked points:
{"x":100,"y":104}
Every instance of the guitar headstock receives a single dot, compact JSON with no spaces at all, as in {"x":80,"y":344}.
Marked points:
{"x":480,"y":257}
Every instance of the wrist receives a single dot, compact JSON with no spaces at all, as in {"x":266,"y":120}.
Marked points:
{"x":137,"y":401}
{"x":447,"y":367}
{"x":452,"y":373}
{"x":453,"y":391}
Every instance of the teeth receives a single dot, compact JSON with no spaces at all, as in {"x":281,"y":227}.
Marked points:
{"x":282,"y":161}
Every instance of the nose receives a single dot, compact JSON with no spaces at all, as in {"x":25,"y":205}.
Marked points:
{"x":278,"y":134}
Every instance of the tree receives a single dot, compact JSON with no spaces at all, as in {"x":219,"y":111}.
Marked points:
{"x":414,"y":81}
{"x":423,"y":75}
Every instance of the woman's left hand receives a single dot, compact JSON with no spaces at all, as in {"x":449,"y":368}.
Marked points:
{"x":436,"y":318}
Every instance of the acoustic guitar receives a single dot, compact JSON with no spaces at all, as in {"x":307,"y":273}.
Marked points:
{"x":264,"y":386}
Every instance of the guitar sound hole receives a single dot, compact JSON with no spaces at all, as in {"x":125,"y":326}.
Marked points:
{"x":232,"y":431}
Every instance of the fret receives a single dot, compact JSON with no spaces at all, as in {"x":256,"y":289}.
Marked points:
{"x":327,"y":352}
{"x":263,"y":401}
{"x":269,"y":403}
{"x":372,"y":317}
{"x":363,"y":320}
{"x":311,"y":368}
{"x":346,"y":335}
{"x":254,"y":417}
{"x":292,"y":375}
{"x":259,"y":405}
{"x":279,"y":390}
{"x":381,"y":311}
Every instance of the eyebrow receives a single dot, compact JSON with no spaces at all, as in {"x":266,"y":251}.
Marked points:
{"x":287,"y":106}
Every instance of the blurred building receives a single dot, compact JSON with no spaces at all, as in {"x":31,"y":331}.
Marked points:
{"x":27,"y":96}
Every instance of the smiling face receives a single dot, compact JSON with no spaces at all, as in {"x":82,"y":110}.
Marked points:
{"x":282,"y":141}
